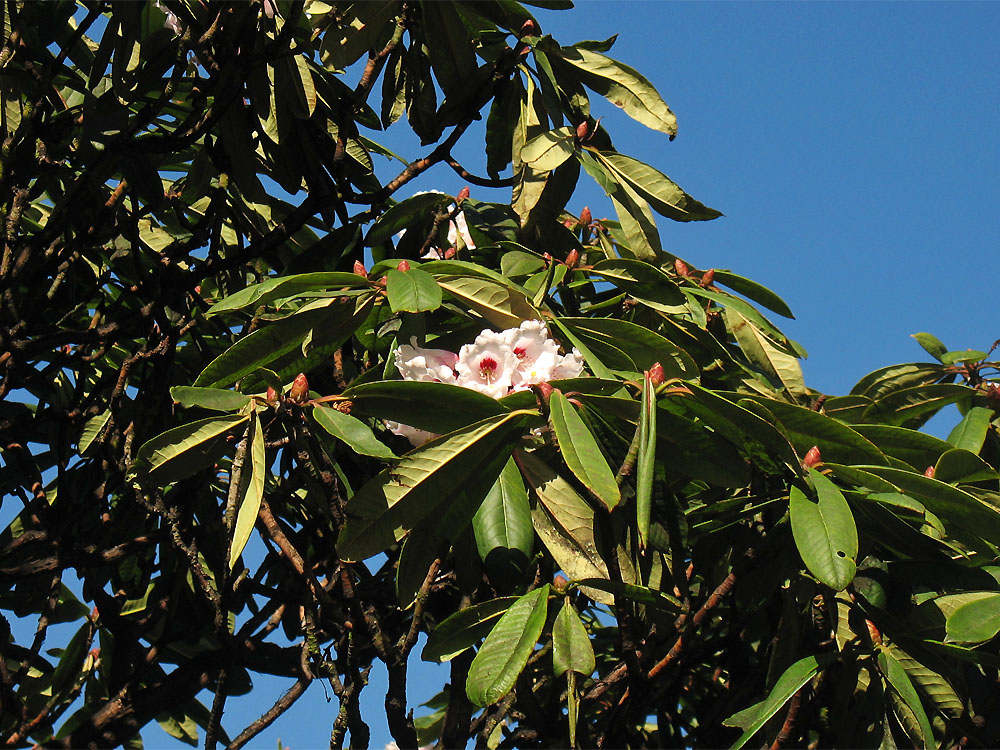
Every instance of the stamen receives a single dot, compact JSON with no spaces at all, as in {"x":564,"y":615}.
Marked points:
{"x":487,"y":366}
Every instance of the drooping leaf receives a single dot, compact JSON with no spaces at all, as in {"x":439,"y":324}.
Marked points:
{"x":503,"y":306}
{"x":918,"y":449}
{"x":217,"y":399}
{"x":571,"y":647}
{"x":183,"y":450}
{"x":502,"y":525}
{"x":390,"y":505}
{"x":352,"y":431}
{"x":418,"y":404}
{"x":403,"y":214}
{"x":643,"y":595}
{"x":931,"y":344}
{"x":507,"y":648}
{"x":976,"y":621}
{"x":251,"y":491}
{"x":900,"y":682}
{"x":754,"y":291}
{"x":970,"y":433}
{"x":960,"y":465}
{"x":412,"y":291}
{"x":646,"y":460}
{"x":464,"y":629}
{"x":548,"y":150}
{"x":751,"y":719}
{"x":286,"y":286}
{"x":764,"y":353}
{"x":663,"y":194}
{"x":581,"y":452}
{"x":627,"y":346}
{"x":824,"y":531}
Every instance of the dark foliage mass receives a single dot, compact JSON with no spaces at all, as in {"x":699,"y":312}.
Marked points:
{"x":266,"y":413}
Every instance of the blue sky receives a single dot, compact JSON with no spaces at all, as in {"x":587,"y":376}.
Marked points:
{"x":853,"y":149}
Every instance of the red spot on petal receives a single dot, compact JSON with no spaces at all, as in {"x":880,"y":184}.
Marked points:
{"x":520,"y":352}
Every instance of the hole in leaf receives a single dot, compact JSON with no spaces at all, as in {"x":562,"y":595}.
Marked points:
{"x":840,"y":553}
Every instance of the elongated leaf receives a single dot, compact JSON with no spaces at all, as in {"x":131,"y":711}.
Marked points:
{"x":918,"y":449}
{"x":970,"y":433}
{"x":837,"y":442}
{"x":627,"y":346}
{"x":571,"y":648}
{"x":931,"y":344}
{"x":900,"y":682}
{"x":504,"y":307}
{"x":976,"y":621}
{"x":581,"y":452}
{"x":91,"y":430}
{"x":502,"y":526}
{"x":895,"y":377}
{"x":183,"y":450}
{"x":464,"y":629}
{"x":622,"y":86}
{"x":286,"y":286}
{"x":387,"y":507}
{"x":506,"y":650}
{"x":403,"y":214}
{"x":959,"y":465}
{"x":662,"y":193}
{"x":418,"y":404}
{"x":550,"y":149}
{"x":451,"y":52}
{"x":932,"y":684}
{"x":763,"y":352}
{"x":217,"y":399}
{"x":912,"y":407}
{"x":646,"y":460}
{"x":753,"y":718}
{"x":352,"y":431}
{"x":639,"y":594}
{"x":252,"y":491}
{"x":824,"y":532}
{"x":754,"y":291}
{"x":412,"y":291}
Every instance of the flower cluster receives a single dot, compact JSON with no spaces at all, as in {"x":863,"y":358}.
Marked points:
{"x":495,"y":364}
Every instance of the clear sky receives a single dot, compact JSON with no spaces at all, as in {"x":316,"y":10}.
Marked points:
{"x":853,"y":148}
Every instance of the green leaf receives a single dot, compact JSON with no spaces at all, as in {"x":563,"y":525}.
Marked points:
{"x":627,"y":346}
{"x":753,"y":718}
{"x":913,"y":406}
{"x":622,"y":86}
{"x":503,"y":306}
{"x":931,"y":345}
{"x":506,"y":650}
{"x":754,"y":291}
{"x":216,"y":399}
{"x":643,"y":595}
{"x":418,"y":404}
{"x":403,"y":214}
{"x":547,"y":151}
{"x":581,"y":452}
{"x":900,"y":682}
{"x":571,"y":647}
{"x":286,"y":286}
{"x":975,"y":622}
{"x":412,"y":291}
{"x":449,"y":45}
{"x":970,"y":433}
{"x":824,"y":532}
{"x":646,"y":460}
{"x":502,"y":526}
{"x":71,"y":661}
{"x":960,"y":465}
{"x":918,"y":449}
{"x":91,"y":430}
{"x":183,"y":450}
{"x":763,"y":352}
{"x":663,"y":194}
{"x":644,"y":282}
{"x":251,"y":490}
{"x":464,"y":629}
{"x":352,"y":431}
{"x":385,"y":509}
{"x":895,"y":377}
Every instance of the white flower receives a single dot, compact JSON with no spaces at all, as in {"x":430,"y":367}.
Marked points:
{"x":569,"y":366}
{"x":458,"y":228}
{"x":416,"y":436}
{"x":537,"y":354}
{"x":415,"y":363}
{"x":487,"y":365}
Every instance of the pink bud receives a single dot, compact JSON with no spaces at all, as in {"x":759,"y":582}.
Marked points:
{"x":812,"y":458}
{"x":582,"y":130}
{"x":681,"y":267}
{"x":300,"y":388}
{"x":559,"y":582}
{"x":271,"y":396}
{"x":586,"y":217}
{"x":403,"y":266}
{"x":572,"y":258}
{"x":929,"y":472}
{"x":449,"y":253}
{"x":708,"y":277}
{"x":462,"y":194}
{"x":544,"y":390}
{"x":359,"y":268}
{"x":656,"y":376}
{"x":528,"y":28}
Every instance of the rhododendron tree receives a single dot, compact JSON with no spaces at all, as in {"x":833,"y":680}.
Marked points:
{"x":278,"y":414}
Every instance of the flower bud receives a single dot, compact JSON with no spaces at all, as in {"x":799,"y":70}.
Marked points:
{"x":543,"y":391}
{"x":271,"y":396}
{"x":449,"y":253}
{"x":300,"y":389}
{"x":528,"y":28}
{"x":929,"y":472}
{"x":812,"y":458}
{"x":572,"y":258}
{"x":586,"y":217}
{"x":681,"y":267}
{"x":462,"y":194}
{"x":708,"y":277}
{"x":403,"y":266}
{"x":582,"y":130}
{"x":359,"y":268}
{"x":548,"y":258}
{"x":656,"y":376}
{"x":559,"y":582}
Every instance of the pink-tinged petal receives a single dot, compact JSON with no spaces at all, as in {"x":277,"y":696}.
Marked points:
{"x":416,"y":436}
{"x":487,"y":365}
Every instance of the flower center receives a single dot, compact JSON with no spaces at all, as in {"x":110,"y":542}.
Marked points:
{"x":521,"y":352}
{"x":487,"y":369}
